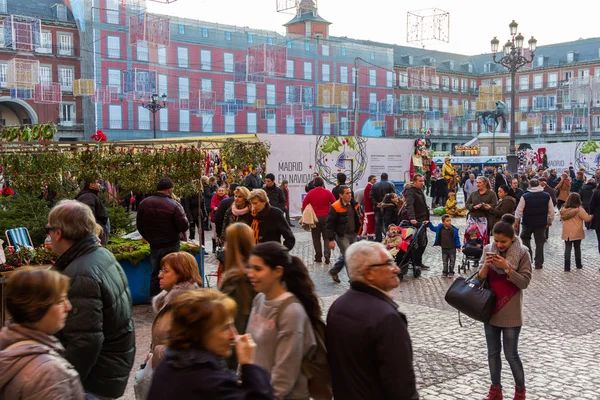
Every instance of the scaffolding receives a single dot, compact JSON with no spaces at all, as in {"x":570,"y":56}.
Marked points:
{"x":422,"y":77}
{"x":83,"y":87}
{"x":333,"y":95}
{"x":22,"y":73}
{"x":426,"y":25}
{"x":21,"y":33}
{"x":267,"y":60}
{"x":151,"y":29}
{"x":47,"y":93}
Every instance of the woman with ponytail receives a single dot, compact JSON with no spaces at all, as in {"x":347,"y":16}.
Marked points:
{"x":282,"y":317}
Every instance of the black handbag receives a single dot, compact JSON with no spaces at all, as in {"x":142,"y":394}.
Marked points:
{"x":470,"y":297}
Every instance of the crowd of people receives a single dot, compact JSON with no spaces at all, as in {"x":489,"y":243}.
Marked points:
{"x":261,"y":333}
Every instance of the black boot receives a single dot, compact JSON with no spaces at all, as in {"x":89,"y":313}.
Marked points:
{"x":214,"y":243}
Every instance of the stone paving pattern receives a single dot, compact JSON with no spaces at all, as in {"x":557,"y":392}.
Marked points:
{"x":559,"y":344}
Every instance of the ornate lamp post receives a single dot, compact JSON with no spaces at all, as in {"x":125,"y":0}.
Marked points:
{"x":154,"y":106}
{"x":512,"y":60}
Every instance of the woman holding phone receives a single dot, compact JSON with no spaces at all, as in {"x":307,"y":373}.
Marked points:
{"x":482,"y":202}
{"x":507,"y":267}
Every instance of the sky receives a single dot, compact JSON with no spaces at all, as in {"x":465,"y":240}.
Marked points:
{"x":472,"y":23}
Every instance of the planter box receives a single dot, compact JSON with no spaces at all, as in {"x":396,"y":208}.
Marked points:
{"x":138,"y":277}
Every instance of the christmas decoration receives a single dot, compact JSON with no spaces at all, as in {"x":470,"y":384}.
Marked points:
{"x":99,"y":136}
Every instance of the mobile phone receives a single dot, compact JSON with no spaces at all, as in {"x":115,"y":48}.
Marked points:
{"x":491,"y":254}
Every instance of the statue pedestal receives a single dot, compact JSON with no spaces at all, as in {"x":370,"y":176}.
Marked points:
{"x":493,"y":144}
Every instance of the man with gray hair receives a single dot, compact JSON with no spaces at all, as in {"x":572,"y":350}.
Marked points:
{"x":98,"y":335}
{"x":470,"y":186}
{"x":365,"y":328}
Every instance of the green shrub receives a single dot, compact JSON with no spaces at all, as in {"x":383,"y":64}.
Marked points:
{"x":121,"y":222}
{"x":24,"y":211}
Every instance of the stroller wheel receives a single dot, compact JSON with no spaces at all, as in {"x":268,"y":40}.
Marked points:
{"x":417,"y":272}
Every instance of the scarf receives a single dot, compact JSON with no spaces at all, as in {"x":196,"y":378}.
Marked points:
{"x":239,"y":211}
{"x":164,"y":298}
{"x":255,"y":225}
{"x":500,"y":285}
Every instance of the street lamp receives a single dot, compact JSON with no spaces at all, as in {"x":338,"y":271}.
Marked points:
{"x":154,"y":106}
{"x":512,"y":60}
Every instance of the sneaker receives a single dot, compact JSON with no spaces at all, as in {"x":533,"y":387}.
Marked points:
{"x":495,"y":393}
{"x":445,"y":274}
{"x":335,"y":277}
{"x":519,"y":393}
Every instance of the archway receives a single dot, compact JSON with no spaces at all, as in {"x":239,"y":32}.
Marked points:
{"x":14,"y":111}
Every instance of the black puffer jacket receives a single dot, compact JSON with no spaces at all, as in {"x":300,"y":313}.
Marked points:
{"x":190,"y":206}
{"x":90,"y":197}
{"x":160,"y":219}
{"x":272,"y":226}
{"x":586,"y":194}
{"x":416,"y":204}
{"x":379,"y":190}
{"x":276,"y":196}
{"x":98,"y":335}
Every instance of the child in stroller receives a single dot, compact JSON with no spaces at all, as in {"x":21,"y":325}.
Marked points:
{"x":404,"y":254}
{"x":475,"y":239}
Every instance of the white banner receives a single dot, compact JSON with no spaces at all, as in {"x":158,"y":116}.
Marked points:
{"x":296,"y":157}
{"x":561,"y":156}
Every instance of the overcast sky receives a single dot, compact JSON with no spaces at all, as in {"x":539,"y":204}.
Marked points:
{"x":473,"y":23}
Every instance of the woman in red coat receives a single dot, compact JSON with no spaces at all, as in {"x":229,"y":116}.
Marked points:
{"x":369,"y":223}
{"x":214,"y":204}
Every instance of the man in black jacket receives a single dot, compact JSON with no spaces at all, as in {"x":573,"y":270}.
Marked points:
{"x":89,"y":195}
{"x":161,"y":220}
{"x":365,"y":328}
{"x":98,"y":335}
{"x":274,"y":193}
{"x":418,"y":213}
{"x":253,"y":180}
{"x":311,"y":185}
{"x":515,"y":191}
{"x":343,"y":225}
{"x":378,"y":192}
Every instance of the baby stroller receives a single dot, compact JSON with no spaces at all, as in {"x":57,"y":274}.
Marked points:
{"x":412,"y":239}
{"x":471,"y":254}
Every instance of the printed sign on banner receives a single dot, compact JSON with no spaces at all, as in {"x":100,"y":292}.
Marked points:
{"x":295,"y":158}
{"x":561,"y":156}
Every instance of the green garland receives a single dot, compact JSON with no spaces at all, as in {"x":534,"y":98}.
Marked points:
{"x":37,"y":132}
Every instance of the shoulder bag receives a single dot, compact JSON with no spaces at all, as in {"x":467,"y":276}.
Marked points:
{"x":470,"y":297}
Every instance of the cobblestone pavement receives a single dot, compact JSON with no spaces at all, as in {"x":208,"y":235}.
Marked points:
{"x":560,"y":340}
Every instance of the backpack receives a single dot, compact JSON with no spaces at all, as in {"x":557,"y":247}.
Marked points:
{"x":314,"y":368}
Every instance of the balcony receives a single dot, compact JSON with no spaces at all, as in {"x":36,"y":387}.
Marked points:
{"x":58,"y":50}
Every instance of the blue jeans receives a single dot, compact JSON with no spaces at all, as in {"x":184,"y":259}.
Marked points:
{"x":156,"y":255}
{"x":510,"y":341}
{"x":343,"y":243}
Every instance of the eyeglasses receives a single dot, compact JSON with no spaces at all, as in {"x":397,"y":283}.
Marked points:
{"x":391,"y":264}
{"x":164,"y":271}
{"x":50,"y":229}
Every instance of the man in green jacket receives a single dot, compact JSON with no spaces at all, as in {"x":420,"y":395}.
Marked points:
{"x":98,"y":335}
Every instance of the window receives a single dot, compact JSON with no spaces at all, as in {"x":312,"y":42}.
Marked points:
{"x":45,"y":42}
{"x":142,"y":51}
{"x":114,"y":79}
{"x":269,"y":40}
{"x":163,"y":117}
{"x":567,"y":75}
{"x":250,"y":39}
{"x":207,"y":123}
{"x":288,"y":44}
{"x":445,"y":83}
{"x":307,"y":70}
{"x":538,"y":81}
{"x":353,"y":75}
{"x":570,"y":56}
{"x":251,"y":118}
{"x":455,"y":84}
{"x":524,"y":82}
{"x":143,"y":118}
{"x":271,"y":94}
{"x":372,"y":77}
{"x":508,"y":84}
{"x":3,"y":6}
{"x":343,"y":51}
{"x":206,"y":84}
{"x":230,"y":124}
{"x":463,"y":85}
{"x":435,"y":103}
{"x":61,"y":12}
{"x":583,"y":73}
{"x":162,"y":55}
{"x":325,"y":72}
{"x":272,"y":125}
{"x":184,"y":120}
{"x":289,"y":72}
{"x":372,"y":55}
{"x":403,"y":79}
{"x":372,"y":98}
{"x":205,"y":60}
{"x":228,"y":62}
{"x":307,"y":45}
{"x":113,"y":46}
{"x":524,"y":104}
{"x":290,"y":125}
{"x":45,"y":74}
{"x":326,"y":126}
{"x":162,"y":84}
{"x":184,"y":87}
{"x":3,"y":75}
{"x":182,"y":57}
{"x":343,"y":74}
{"x":325,"y":50}
{"x":228,"y":91}
{"x":112,"y":11}
{"x":65,"y":75}
{"x":425,"y":103}
{"x":204,"y":32}
{"x":115,"y":118}
{"x":181,"y":29}
{"x":227,"y":35}
{"x":389,"y":79}
{"x":250,"y":93}
{"x":67,"y":114}
{"x":540,"y":61}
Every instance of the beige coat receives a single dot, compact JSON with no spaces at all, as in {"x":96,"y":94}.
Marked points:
{"x":573,"y":219}
{"x":564,"y":187}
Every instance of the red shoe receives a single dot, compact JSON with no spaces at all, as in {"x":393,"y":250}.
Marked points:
{"x":519,"y":393}
{"x":495,"y":393}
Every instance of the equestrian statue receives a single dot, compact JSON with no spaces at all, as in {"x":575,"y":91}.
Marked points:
{"x":491,"y":118}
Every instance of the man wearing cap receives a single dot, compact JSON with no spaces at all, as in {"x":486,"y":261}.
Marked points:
{"x":160,"y":220}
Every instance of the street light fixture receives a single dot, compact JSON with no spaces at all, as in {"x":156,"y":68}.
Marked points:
{"x":512,"y":60}
{"x":154,"y":106}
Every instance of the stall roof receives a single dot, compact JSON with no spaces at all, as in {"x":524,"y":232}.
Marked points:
{"x":487,"y":160}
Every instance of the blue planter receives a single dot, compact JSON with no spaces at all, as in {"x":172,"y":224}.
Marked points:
{"x":138,"y":277}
